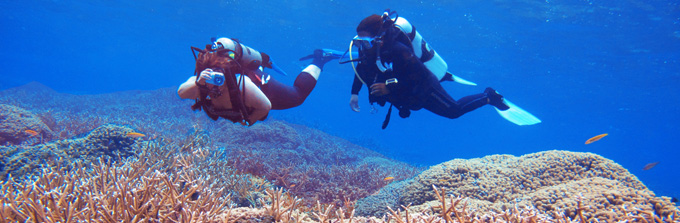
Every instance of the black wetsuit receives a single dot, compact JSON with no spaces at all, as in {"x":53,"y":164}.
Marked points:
{"x":284,"y":96}
{"x":417,"y":87}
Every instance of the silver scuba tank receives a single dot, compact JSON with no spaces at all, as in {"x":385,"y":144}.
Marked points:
{"x":250,"y":58}
{"x":422,"y":50}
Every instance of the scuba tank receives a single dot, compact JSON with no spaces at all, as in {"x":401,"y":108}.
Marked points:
{"x":422,"y":50}
{"x":249,"y":58}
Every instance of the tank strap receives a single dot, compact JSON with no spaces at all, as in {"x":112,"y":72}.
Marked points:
{"x":238,"y":49}
{"x":237,"y":96}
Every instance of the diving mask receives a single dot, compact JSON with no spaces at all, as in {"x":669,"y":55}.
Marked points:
{"x":363,"y":42}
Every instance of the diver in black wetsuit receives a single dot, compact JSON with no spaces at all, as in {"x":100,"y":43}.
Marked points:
{"x":395,"y":74}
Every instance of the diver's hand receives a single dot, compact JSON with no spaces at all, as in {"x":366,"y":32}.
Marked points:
{"x":379,"y":89}
{"x":354,"y":103}
{"x":205,"y":75}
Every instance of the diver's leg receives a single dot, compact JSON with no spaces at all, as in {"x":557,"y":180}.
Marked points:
{"x":441,"y":103}
{"x":283,"y":96}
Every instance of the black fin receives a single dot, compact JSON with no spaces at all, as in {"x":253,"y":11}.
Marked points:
{"x":387,"y":118}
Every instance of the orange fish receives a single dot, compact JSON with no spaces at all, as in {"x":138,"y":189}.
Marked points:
{"x":292,"y":185}
{"x":31,"y":132}
{"x":650,"y":166}
{"x":135,"y":134}
{"x":595,"y":138}
{"x":388,"y":178}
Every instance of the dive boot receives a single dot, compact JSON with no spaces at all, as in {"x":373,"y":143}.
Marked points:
{"x":496,"y":99}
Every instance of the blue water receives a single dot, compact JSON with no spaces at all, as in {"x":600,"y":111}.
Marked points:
{"x":583,"y":67}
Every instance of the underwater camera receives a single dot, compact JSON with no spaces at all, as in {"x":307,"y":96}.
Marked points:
{"x":216,"y":78}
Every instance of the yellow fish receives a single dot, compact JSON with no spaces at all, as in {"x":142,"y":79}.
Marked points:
{"x":388,"y":178}
{"x":31,"y":132}
{"x":595,"y":138}
{"x":135,"y":134}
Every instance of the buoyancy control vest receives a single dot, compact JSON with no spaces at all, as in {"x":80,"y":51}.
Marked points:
{"x":232,"y":71}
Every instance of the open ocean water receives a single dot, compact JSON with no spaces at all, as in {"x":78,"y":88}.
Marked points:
{"x":583,"y":67}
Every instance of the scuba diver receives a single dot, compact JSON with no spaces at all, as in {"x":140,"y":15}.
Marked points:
{"x":229,"y":82}
{"x":399,"y":67}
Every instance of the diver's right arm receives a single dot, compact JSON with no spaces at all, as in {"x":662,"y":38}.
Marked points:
{"x":189,"y":90}
{"x":354,"y":99}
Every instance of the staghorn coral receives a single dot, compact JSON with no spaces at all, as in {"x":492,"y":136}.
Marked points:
{"x":162,"y":185}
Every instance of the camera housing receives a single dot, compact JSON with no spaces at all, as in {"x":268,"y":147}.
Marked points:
{"x":216,"y":78}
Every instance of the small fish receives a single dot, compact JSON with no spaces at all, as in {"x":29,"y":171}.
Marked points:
{"x":195,"y":196}
{"x":135,"y":134}
{"x":31,"y":132}
{"x":650,"y":166}
{"x":388,"y":178}
{"x":442,"y":180}
{"x":292,"y":185}
{"x":595,"y":138}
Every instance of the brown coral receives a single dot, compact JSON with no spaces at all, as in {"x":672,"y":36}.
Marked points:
{"x":548,"y":181}
{"x":14,"y":121}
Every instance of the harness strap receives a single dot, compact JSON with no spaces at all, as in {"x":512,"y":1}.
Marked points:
{"x":237,"y":96}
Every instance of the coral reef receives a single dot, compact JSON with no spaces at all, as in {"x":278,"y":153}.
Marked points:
{"x":184,"y":187}
{"x":343,"y":174}
{"x":15,"y":122}
{"x":107,"y":141}
{"x":190,"y":169}
{"x":548,"y":181}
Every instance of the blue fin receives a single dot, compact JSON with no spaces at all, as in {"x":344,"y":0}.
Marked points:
{"x":517,"y":115}
{"x":278,"y":69}
{"x":460,"y":80}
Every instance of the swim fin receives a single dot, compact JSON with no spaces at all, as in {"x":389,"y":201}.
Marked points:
{"x":517,"y":115}
{"x":278,"y":69}
{"x":451,"y":77}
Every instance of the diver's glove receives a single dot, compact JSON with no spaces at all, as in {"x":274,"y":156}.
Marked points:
{"x":319,"y":58}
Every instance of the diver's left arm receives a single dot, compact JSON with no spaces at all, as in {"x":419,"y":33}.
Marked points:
{"x":256,"y":100}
